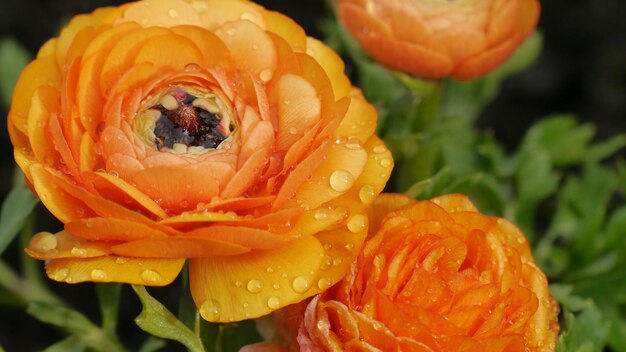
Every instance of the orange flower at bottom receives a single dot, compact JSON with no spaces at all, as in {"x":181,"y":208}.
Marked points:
{"x":436,"y":276}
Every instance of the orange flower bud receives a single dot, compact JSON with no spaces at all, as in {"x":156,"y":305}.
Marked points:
{"x":438,"y":38}
{"x":213,"y":130}
{"x":435,"y":276}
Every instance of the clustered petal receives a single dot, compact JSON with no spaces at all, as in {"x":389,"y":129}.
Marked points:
{"x":434,"y":276}
{"x":439,"y":38}
{"x":214,"y":131}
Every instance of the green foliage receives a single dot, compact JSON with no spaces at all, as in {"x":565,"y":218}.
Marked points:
{"x":16,"y":208}
{"x":13,"y":58}
{"x":83,"y":333}
{"x":157,"y":320}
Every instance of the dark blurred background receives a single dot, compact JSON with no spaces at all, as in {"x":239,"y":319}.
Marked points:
{"x":582,"y":70}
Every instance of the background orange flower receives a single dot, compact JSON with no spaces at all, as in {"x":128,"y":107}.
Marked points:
{"x":212,"y":130}
{"x":436,"y":276}
{"x":438,"y":38}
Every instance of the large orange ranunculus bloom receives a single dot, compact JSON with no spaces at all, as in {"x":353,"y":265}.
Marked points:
{"x":208,"y":129}
{"x":438,"y":38}
{"x":435,"y":276}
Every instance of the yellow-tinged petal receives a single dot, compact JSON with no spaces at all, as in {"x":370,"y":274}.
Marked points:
{"x":178,"y":247}
{"x":214,"y":13}
{"x":360,"y":119}
{"x":139,"y":271}
{"x":255,"y":283}
{"x":287,"y":29}
{"x":332,"y":64}
{"x":164,"y":13}
{"x":46,"y":100}
{"x":299,"y":108}
{"x":111,"y":229}
{"x":453,"y":203}
{"x":181,"y":52}
{"x":63,"y":205}
{"x":113,"y":187}
{"x":252,"y":48}
{"x":42,"y":71}
{"x":45,"y":246}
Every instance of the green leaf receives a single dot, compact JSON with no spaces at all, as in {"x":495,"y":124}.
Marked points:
{"x":70,"y":344}
{"x":615,"y":234}
{"x":605,"y":149}
{"x":159,"y":321}
{"x":561,"y":137}
{"x":16,"y":208}
{"x":75,"y":324}
{"x":13,"y":59}
{"x":109,"y":300}
{"x":152,"y":344}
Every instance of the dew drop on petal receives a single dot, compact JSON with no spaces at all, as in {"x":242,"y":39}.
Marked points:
{"x":79,"y":252}
{"x":98,"y":275}
{"x":380,"y":149}
{"x":385,"y":163}
{"x":273,"y":302}
{"x":45,"y":241}
{"x":173,"y":13}
{"x":269,"y":269}
{"x":61,"y":274}
{"x":293,"y":131}
{"x":266,"y":75}
{"x":326,"y":263}
{"x":324,"y":283}
{"x":150,"y":276}
{"x":120,"y":260}
{"x":353,"y":143}
{"x":301,"y":284}
{"x":238,"y":283}
{"x":341,"y":180}
{"x":199,"y":6}
{"x":276,"y":286}
{"x":357,"y":223}
{"x":254,"y":286}
{"x":367,"y":194}
{"x":211,"y":309}
{"x":337,"y":262}
{"x":321,"y":214}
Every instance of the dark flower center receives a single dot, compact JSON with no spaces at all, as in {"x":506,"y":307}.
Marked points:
{"x":188,"y":120}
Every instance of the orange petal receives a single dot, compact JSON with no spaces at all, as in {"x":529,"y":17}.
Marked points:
{"x":215,"y":53}
{"x":250,"y":46}
{"x":486,"y":61}
{"x":115,"y":188}
{"x":332,"y":65}
{"x":299,"y":108}
{"x":214,"y":13}
{"x":286,"y":28}
{"x":162,"y":13}
{"x":64,"y":206}
{"x":45,"y":246}
{"x":42,"y":71}
{"x":180,"y":52}
{"x":246,"y":175}
{"x":178,"y":247}
{"x":359,"y":121}
{"x":262,"y":281}
{"x":244,"y":236}
{"x":139,"y":271}
{"x":453,"y":203}
{"x":111,"y":229}
{"x":46,"y":100}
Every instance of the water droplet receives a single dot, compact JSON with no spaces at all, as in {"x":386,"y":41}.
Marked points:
{"x":246,"y":305}
{"x":199,"y":6}
{"x":377,"y":326}
{"x":301,"y":284}
{"x":353,"y":143}
{"x":120,"y":260}
{"x":380,"y":149}
{"x":211,"y":310}
{"x":247,"y":16}
{"x":341,"y":180}
{"x":276,"y":286}
{"x":337,"y":262}
{"x":266,"y":75}
{"x":173,"y":13}
{"x":150,"y":276}
{"x":326,"y":263}
{"x":98,"y":275}
{"x":283,"y":275}
{"x":89,"y":224}
{"x":61,"y":274}
{"x":385,"y":162}
{"x":357,"y":223}
{"x":239,"y":284}
{"x":349,"y":246}
{"x":79,"y":252}
{"x":367,"y":194}
{"x":293,"y":131}
{"x":254,"y":286}
{"x":269,"y":269}
{"x":341,"y":140}
{"x":321,"y":214}
{"x":273,"y":302}
{"x":45,"y":241}
{"x":324,"y":283}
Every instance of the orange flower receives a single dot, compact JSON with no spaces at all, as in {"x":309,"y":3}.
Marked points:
{"x":208,"y":129}
{"x":436,"y":276}
{"x":438,"y":38}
